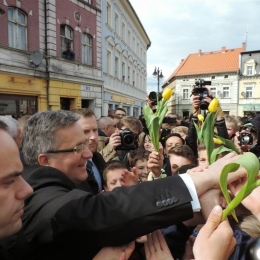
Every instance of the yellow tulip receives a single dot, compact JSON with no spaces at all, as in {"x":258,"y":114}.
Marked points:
{"x":167,"y":93}
{"x":217,"y":141}
{"x":213,"y":105}
{"x":200,"y":117}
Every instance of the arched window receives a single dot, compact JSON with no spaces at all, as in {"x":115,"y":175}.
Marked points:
{"x":86,"y":49}
{"x":17,"y":29}
{"x":66,"y":38}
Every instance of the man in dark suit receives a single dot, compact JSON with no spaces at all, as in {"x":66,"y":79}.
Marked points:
{"x":64,"y":222}
{"x":96,"y":165}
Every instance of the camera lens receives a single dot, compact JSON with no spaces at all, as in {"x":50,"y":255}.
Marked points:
{"x":245,"y":139}
{"x":128,"y":140}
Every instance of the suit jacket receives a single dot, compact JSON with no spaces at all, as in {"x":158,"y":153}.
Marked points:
{"x":63,"y":222}
{"x":90,"y":181}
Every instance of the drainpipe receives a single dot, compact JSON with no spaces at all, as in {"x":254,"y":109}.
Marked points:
{"x":46,"y":55}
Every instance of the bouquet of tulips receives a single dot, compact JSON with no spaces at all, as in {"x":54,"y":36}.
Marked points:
{"x":154,"y":120}
{"x":248,"y":160}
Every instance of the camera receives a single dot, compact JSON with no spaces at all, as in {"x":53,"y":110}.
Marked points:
{"x":169,"y":120}
{"x":128,"y":140}
{"x":202,"y":92}
{"x":153,"y":97}
{"x":245,"y":139}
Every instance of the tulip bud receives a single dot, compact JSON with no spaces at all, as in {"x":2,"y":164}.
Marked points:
{"x":200,"y":117}
{"x":217,"y":141}
{"x":213,"y":105}
{"x":167,"y":93}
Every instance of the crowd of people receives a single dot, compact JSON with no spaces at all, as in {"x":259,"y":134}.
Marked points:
{"x":73,"y":186}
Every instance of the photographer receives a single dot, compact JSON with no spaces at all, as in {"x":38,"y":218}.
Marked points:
{"x":123,"y":140}
{"x":248,"y":138}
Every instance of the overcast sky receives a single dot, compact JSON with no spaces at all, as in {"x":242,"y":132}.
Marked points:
{"x":178,"y":28}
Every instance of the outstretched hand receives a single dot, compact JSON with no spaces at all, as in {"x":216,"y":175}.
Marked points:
{"x":215,"y":240}
{"x":129,"y":178}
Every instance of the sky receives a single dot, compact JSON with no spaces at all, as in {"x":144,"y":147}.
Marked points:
{"x":178,"y":28}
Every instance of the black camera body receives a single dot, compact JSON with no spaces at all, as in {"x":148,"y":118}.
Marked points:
{"x":245,"y":139}
{"x":164,"y":133}
{"x":153,"y":97}
{"x":128,"y":140}
{"x":202,"y":92}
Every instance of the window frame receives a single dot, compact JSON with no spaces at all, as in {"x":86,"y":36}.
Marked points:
{"x":16,"y":25}
{"x":69,"y":40}
{"x":86,"y":46}
{"x":185,"y":93}
{"x":226,"y":89}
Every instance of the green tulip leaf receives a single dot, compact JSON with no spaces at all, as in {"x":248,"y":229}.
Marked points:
{"x":228,"y":143}
{"x":217,"y":151}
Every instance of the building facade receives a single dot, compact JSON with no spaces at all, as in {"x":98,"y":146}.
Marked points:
{"x":50,"y":52}
{"x":220,"y":67}
{"x":124,"y":56}
{"x":249,"y":83}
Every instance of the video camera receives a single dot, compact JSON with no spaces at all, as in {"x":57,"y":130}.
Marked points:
{"x":153,"y":97}
{"x":202,"y":92}
{"x":128,"y":140}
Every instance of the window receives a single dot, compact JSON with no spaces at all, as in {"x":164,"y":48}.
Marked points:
{"x":108,"y":14}
{"x":213,"y":77}
{"x":123,"y":71}
{"x":133,"y":44}
{"x":129,"y":74}
{"x":116,"y":67}
{"x":249,"y":70}
{"x":141,"y":83}
{"x":123,"y":31}
{"x":66,"y":37}
{"x":87,"y":1}
{"x":116,"y":23}
{"x":226,"y":77}
{"x":133,"y":77}
{"x":225,"y":92}
{"x":137,"y":49}
{"x":185,"y":94}
{"x":17,"y":22}
{"x":127,"y":109}
{"x":213,"y":92}
{"x":136,"y":112}
{"x":141,"y":54}
{"x":129,"y":38}
{"x":86,"y":49}
{"x":108,"y":62}
{"x":137,"y":80}
{"x":249,"y":92}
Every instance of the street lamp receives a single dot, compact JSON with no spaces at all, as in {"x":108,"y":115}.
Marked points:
{"x":157,"y":74}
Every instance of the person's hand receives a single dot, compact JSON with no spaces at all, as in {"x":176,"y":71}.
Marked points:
{"x":215,"y":240}
{"x":197,"y":169}
{"x":196,"y":102}
{"x":129,"y":178}
{"x":154,"y":163}
{"x":156,"y":247}
{"x":252,"y":201}
{"x":210,"y":199}
{"x":115,"y":253}
{"x":209,"y":178}
{"x":115,"y":139}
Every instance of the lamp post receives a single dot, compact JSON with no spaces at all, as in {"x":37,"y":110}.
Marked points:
{"x":158,"y":74}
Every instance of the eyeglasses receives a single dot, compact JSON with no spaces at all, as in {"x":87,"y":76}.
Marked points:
{"x":247,"y":128}
{"x":76,"y":150}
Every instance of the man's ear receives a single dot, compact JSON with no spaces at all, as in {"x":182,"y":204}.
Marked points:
{"x":43,"y":159}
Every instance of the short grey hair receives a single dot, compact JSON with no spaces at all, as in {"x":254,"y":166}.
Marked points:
{"x":12,"y":125}
{"x":39,"y":133}
{"x":104,"y":122}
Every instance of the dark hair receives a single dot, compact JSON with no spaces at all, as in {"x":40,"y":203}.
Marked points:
{"x":184,"y":151}
{"x":110,"y":166}
{"x":138,"y":154}
{"x":185,"y":168}
{"x":130,"y":122}
{"x":3,"y":126}
{"x":170,"y":135}
{"x":121,"y":109}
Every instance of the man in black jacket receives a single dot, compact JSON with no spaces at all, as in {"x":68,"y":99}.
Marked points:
{"x":63,"y":222}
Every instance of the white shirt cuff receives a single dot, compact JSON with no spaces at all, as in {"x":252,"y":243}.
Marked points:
{"x":191,"y":187}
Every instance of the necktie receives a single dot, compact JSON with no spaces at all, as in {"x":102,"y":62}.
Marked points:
{"x":89,"y":169}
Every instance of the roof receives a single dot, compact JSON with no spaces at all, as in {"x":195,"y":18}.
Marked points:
{"x":224,"y":60}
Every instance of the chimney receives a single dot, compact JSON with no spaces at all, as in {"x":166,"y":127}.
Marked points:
{"x":243,"y":46}
{"x":224,"y":49}
{"x":182,"y":60}
{"x":200,"y":53}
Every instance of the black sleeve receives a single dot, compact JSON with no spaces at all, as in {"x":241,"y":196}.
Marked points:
{"x":191,"y":138}
{"x":222,"y":128}
{"x":118,"y":217}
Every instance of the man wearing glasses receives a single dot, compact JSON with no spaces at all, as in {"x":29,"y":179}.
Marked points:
{"x":64,"y":222}
{"x":120,"y":112}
